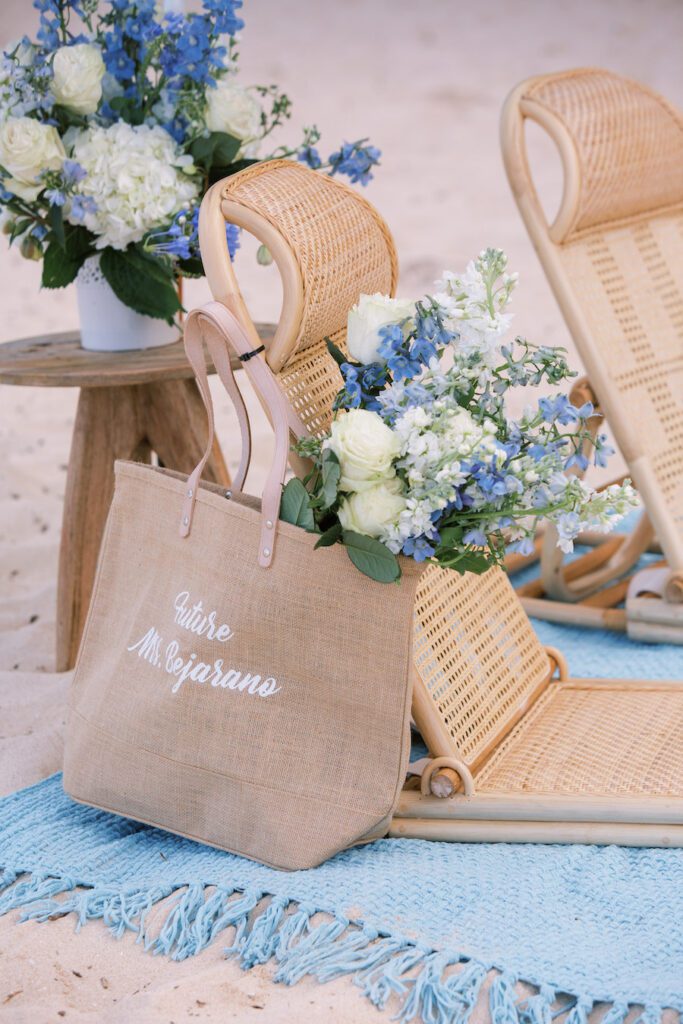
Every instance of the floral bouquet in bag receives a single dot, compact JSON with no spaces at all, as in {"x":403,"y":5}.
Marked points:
{"x":422,"y":458}
{"x":113,"y":123}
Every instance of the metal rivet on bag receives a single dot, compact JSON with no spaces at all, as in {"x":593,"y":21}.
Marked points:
{"x":269,"y":524}
{"x":228,"y":494}
{"x":186,"y":521}
{"x":190,"y":493}
{"x":266,"y":552}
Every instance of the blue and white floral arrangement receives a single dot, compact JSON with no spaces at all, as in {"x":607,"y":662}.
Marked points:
{"x":112,"y":125}
{"x":422,"y":458}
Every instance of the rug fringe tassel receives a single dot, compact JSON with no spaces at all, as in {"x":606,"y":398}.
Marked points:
{"x":616,"y":1014}
{"x":538,"y":1009}
{"x":432,"y":986}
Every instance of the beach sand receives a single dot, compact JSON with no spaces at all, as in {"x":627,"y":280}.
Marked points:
{"x":425,"y":82}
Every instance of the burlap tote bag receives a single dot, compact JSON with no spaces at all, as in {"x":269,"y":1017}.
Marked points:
{"x":234,"y":685}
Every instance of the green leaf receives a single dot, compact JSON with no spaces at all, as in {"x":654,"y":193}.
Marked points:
{"x":78,"y":242}
{"x":56,"y":218}
{"x":329,"y":537}
{"x":128,"y":109}
{"x":335,"y":352}
{"x":450,"y":536}
{"x":19,"y":227}
{"x":218,"y":148}
{"x":331,"y":471}
{"x":462,"y":562}
{"x":191,"y":268}
{"x":58,"y":268}
{"x":218,"y":172}
{"x":371,"y":557}
{"x":294,"y":507}
{"x":141,"y":282}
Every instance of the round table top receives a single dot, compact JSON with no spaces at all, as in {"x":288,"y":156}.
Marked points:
{"x":57,"y":360}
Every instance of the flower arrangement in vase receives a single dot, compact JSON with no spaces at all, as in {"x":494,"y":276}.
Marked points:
{"x":423,"y":459}
{"x":113,"y":123}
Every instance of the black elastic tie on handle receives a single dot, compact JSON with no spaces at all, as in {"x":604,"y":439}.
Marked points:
{"x":250,"y":355}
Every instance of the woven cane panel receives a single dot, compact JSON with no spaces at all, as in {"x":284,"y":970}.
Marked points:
{"x":476,"y":654}
{"x":593,"y":742}
{"x":629,"y":284}
{"x":310,"y":380}
{"x":629,"y":142}
{"x":341,"y":243}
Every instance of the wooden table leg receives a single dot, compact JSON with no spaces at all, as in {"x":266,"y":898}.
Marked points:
{"x":174,"y":421}
{"x":106,"y":427}
{"x":112,"y":423}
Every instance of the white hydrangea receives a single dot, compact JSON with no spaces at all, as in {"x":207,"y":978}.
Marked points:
{"x":138,"y":177}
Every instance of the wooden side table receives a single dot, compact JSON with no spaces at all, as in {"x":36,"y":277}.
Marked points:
{"x":130,"y":405}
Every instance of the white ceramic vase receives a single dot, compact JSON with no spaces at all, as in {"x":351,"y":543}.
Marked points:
{"x":107,"y":324}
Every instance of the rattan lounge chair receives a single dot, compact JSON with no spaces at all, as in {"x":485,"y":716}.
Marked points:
{"x":614,"y":258}
{"x":515,"y":753}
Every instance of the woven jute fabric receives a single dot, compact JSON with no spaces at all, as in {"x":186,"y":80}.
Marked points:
{"x":287,"y":738}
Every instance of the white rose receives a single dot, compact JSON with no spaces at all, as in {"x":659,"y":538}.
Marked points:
{"x":77,"y":77}
{"x":233,"y":110}
{"x":27,"y":148}
{"x":366,"y":448}
{"x":365,"y":319}
{"x":371,"y":512}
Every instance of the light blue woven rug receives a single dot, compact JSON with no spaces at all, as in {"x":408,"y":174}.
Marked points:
{"x":421,"y":923}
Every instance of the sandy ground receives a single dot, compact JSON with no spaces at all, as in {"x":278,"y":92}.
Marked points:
{"x":426,"y":82}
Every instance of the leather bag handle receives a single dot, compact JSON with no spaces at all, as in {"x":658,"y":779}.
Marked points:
{"x":222,"y":331}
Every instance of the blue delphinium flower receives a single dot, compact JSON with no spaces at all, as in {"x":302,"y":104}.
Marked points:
{"x":559,"y":409}
{"x":73,"y":172}
{"x":355,"y":160}
{"x":418,"y":548}
{"x":475,"y":537}
{"x":603,"y":451}
{"x":232,"y":234}
{"x":180,"y":239}
{"x":374,"y":376}
{"x":361,"y":386}
{"x":525,"y":546}
{"x":577,"y":459}
{"x":48,"y":32}
{"x":55,"y":196}
{"x":116,"y":60}
{"x":423,"y":350}
{"x":310,"y":156}
{"x":189,"y":52}
{"x":81,"y":206}
{"x":222,"y":13}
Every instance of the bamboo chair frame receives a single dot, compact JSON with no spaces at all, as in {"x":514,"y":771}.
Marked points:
{"x":489,"y":699}
{"x":611,"y":256}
